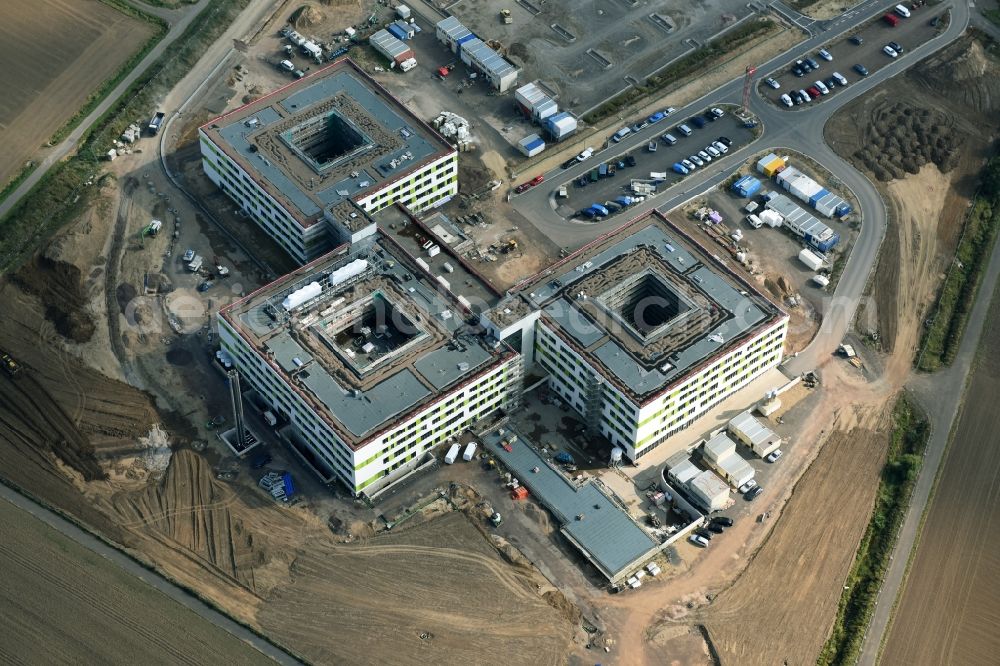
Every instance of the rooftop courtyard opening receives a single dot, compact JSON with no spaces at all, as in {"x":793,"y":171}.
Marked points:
{"x":326,"y":140}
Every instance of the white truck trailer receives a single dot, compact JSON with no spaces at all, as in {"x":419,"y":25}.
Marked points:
{"x":452,"y":454}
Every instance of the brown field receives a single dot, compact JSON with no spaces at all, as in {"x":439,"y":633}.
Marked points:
{"x":55,"y":54}
{"x":780,"y":609}
{"x":948,"y":610}
{"x":61,"y":603}
{"x":371,"y":602}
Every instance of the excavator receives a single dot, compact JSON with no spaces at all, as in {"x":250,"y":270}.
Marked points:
{"x":10,"y":366}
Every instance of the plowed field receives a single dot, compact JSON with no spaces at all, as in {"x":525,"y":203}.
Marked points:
{"x":949,"y":607}
{"x":55,"y":54}
{"x":61,"y":603}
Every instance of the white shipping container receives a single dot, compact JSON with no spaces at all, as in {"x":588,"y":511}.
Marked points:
{"x":470,"y":450}
{"x":811,"y":259}
{"x":771,"y":218}
{"x":452,"y":454}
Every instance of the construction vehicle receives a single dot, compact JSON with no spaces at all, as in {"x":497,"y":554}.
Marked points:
{"x":10,"y":366}
{"x":152,"y":228}
{"x":505,"y":16}
{"x":509,"y":246}
{"x":496,"y":519}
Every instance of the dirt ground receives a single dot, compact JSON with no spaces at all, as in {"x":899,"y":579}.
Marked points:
{"x":439,"y":615}
{"x":781,"y":606}
{"x":55,"y":54}
{"x":822,"y":9}
{"x":102,"y":612}
{"x":946,"y":613}
{"x":947,"y":122}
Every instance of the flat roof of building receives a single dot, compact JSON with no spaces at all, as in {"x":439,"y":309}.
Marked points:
{"x":751,"y":428}
{"x":647,"y":304}
{"x":602,"y":529}
{"x":333,"y":135}
{"x":411,"y":233}
{"x":374,"y":339}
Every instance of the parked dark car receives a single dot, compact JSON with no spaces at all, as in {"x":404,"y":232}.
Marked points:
{"x":715,"y":527}
{"x":726,"y":140}
{"x":702,"y":532}
{"x":856,"y":39}
{"x":753,"y":493}
{"x":723,"y":520}
{"x":697,"y":121}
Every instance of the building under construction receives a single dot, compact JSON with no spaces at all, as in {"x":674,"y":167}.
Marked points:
{"x":367,"y":362}
{"x":642,"y":332}
{"x":309,"y":161}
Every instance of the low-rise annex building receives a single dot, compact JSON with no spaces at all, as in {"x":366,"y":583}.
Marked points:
{"x":308,"y":160}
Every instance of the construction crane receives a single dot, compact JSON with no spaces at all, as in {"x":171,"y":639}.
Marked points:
{"x":747,"y":81}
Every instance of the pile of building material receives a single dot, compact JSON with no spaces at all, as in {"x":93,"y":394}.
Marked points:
{"x":279,"y":484}
{"x":132,"y":134}
{"x":452,"y":126}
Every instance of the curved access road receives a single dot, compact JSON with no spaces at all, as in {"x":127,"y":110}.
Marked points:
{"x":115,"y":556}
{"x":799,"y":130}
{"x":178,"y":19}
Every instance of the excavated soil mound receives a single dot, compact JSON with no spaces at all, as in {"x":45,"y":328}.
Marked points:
{"x":307,"y":16}
{"x":904,"y":137}
{"x":59,"y":285}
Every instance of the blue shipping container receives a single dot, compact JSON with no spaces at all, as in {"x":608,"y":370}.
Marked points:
{"x":826,"y":245}
{"x":816,"y":197}
{"x":462,"y":40}
{"x":396,"y":32}
{"x":286,"y":478}
{"x":746,"y":186}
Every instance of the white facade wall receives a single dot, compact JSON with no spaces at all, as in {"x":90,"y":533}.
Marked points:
{"x":420,"y":190}
{"x":392,"y":453}
{"x":640,"y":429}
{"x":269,"y":215}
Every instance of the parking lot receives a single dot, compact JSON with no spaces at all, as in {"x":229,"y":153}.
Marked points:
{"x":846,"y":54}
{"x":661,"y":161}
{"x":586,"y":52}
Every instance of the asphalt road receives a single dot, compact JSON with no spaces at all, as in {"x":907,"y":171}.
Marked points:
{"x":179,"y":20}
{"x":800,"y":130}
{"x":153,"y":579}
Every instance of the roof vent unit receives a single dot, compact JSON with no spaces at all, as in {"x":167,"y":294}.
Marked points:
{"x":463,"y":366}
{"x":301,"y":295}
{"x":715,"y":337}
